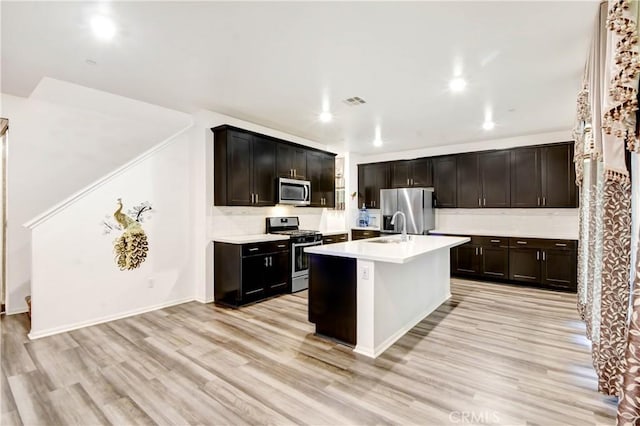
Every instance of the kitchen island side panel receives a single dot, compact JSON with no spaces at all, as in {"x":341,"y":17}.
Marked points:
{"x":332,"y":297}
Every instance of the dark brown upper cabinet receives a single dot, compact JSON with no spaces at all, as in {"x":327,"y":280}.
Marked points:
{"x":411,"y":173}
{"x":483,"y":179}
{"x":558,"y":176}
{"x":292,"y":161}
{"x":371,"y":179}
{"x":247,"y":164}
{"x":244,"y":169}
{"x":321,"y":173}
{"x":444,"y":180}
{"x":543,"y":176}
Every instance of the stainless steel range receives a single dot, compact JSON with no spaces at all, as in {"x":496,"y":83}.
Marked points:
{"x":299,"y":239}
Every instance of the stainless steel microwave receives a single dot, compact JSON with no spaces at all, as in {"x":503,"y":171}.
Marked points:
{"x":294,"y":192}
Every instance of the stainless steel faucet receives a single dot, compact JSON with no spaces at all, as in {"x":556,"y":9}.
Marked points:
{"x":404,"y":224}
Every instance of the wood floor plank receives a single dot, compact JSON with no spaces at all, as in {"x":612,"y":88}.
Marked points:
{"x":502,"y":353}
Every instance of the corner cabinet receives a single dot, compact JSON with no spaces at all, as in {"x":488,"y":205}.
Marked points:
{"x":244,"y":169}
{"x":321,"y":170}
{"x":371,"y":179}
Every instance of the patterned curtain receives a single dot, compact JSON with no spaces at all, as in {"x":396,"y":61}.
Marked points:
{"x":607,"y":108}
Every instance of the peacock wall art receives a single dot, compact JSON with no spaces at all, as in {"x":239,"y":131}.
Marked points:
{"x":131,"y":246}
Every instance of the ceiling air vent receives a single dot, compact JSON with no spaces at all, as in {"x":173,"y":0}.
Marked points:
{"x":355,"y":101}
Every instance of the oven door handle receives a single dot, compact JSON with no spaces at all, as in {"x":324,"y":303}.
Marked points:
{"x":315,"y":243}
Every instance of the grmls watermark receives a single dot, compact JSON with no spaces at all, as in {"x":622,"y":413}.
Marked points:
{"x":474,"y":417}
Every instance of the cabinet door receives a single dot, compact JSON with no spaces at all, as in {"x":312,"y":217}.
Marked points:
{"x":559,"y":269}
{"x":284,"y":163}
{"x":277,"y":272}
{"x":558,"y":176}
{"x":468,"y":182}
{"x":239,"y":162}
{"x":467,"y":259}
{"x":400,"y":174}
{"x":525,"y":177}
{"x":328,"y":181}
{"x":495,"y":178}
{"x":299,"y":163}
{"x":524,"y":265}
{"x":371,"y":179}
{"x":421,"y":173}
{"x":314,"y":175}
{"x":494,"y":262}
{"x":253,"y":273}
{"x":444,"y":181}
{"x":264,"y":171}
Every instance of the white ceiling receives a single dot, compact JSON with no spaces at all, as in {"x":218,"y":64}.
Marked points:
{"x":272,"y":63}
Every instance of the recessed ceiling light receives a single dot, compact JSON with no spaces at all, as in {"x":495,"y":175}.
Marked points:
{"x":457,"y":84}
{"x":326,"y":116}
{"x":488,"y":125}
{"x":103,"y":27}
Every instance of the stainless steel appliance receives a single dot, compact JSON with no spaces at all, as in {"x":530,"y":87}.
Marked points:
{"x":299,"y":239}
{"x":294,"y":192}
{"x":415,"y":203}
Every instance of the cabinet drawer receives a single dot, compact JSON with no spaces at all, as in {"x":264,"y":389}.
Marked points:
{"x":360,"y":234}
{"x":491,"y":241}
{"x":540,"y":243}
{"x":330,"y":239}
{"x":266,"y":247}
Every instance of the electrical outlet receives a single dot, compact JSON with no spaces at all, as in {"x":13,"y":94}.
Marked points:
{"x":150,"y":284}
{"x":365,"y":273}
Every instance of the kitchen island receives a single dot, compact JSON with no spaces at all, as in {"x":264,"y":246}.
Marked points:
{"x":369,"y":293}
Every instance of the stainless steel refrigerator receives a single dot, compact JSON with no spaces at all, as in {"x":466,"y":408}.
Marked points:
{"x":415,"y":203}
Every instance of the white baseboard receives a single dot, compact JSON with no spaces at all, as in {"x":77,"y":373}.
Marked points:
{"x":63,"y":329}
{"x":379,"y":349}
{"x":197,"y":299}
{"x":17,"y":311}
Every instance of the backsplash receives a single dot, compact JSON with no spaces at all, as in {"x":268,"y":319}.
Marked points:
{"x":543,"y":223}
{"x":251,"y":220}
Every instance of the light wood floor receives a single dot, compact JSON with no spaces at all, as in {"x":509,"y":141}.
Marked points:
{"x":493,"y":354}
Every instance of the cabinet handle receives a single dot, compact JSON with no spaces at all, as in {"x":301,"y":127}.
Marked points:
{"x":544,"y":256}
{"x":282,"y":245}
{"x":266,"y":262}
{"x":479,"y":203}
{"x":560,"y":245}
{"x":295,"y":172}
{"x":270,"y":261}
{"x":252,"y":198}
{"x":544,"y":201}
{"x":495,"y":241}
{"x":537,"y":254}
{"x":257,"y":199}
{"x":328,"y":239}
{"x":521,"y":242}
{"x":476,"y":251}
{"x":291,"y":172}
{"x":480,"y":251}
{"x":254,"y":249}
{"x":538,"y":200}
{"x":407,"y":181}
{"x":484,"y":201}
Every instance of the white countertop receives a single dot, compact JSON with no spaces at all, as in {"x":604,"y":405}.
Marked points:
{"x":366,"y":228}
{"x":402,"y":252}
{"x":555,"y":236}
{"x":336,"y":232}
{"x":248,"y":239}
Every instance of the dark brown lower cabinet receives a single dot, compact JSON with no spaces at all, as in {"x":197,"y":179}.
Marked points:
{"x":247,"y":273}
{"x":332,"y":297}
{"x":541,"y":262}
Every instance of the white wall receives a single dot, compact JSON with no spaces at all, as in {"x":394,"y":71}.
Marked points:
{"x":75,"y":281}
{"x":212,"y":220}
{"x":543,"y":223}
{"x":63,"y":138}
